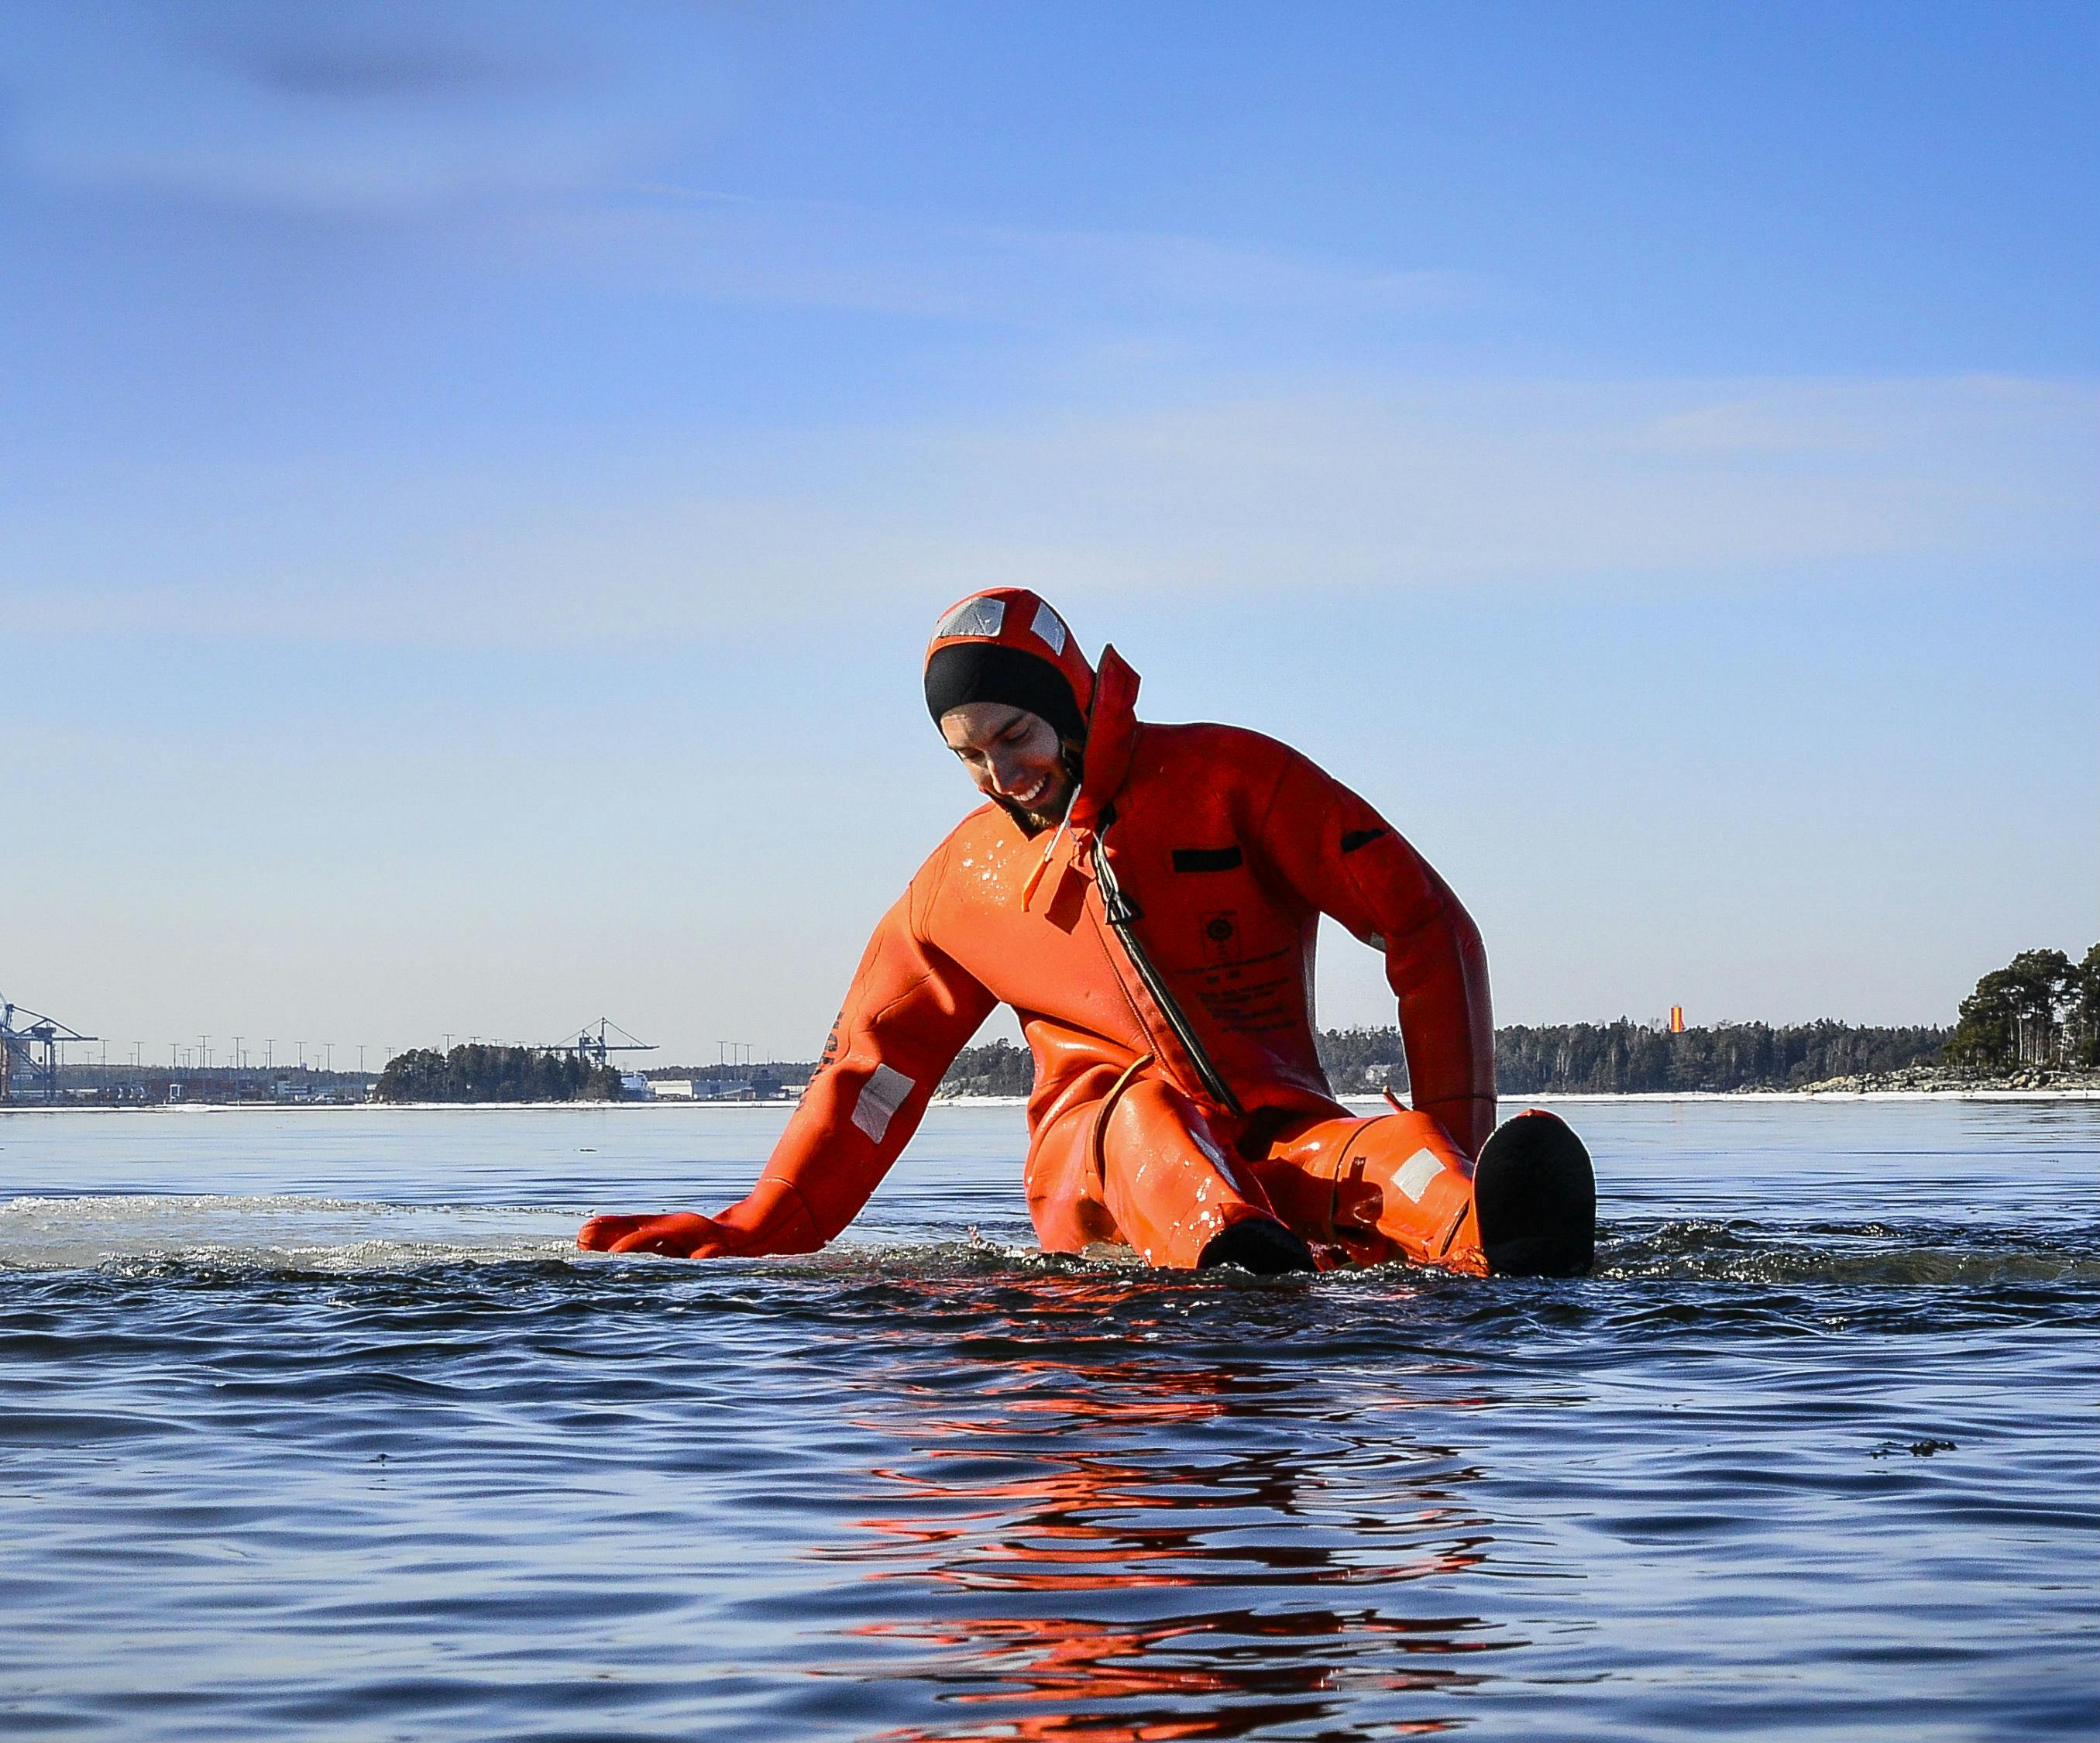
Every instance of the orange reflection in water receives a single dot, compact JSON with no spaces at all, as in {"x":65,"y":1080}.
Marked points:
{"x":1061,"y":1483}
{"x":1206,"y":1674}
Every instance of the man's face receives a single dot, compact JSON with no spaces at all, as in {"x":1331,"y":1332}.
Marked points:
{"x":1013,"y":756}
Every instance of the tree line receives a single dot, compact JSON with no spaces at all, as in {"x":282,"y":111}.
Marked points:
{"x":1572,"y":1058}
{"x":478,"y":1072}
{"x":2040,"y":1009}
{"x":1627,"y":1057}
{"x":998,"y":1068}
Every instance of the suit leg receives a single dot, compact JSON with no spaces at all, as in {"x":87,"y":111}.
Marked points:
{"x":1146,"y":1168}
{"x":1391,"y":1186}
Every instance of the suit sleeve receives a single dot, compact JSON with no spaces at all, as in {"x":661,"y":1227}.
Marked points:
{"x":910,"y":1010}
{"x":1345,"y":859}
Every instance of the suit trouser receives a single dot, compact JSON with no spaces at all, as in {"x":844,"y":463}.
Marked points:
{"x":1146,"y":1166}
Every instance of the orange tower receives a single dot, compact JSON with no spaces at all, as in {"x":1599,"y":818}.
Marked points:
{"x":1676,"y":1019}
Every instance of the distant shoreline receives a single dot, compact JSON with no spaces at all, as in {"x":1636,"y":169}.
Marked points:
{"x":302,"y":1108}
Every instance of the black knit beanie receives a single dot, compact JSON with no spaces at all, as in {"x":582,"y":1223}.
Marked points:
{"x":964,"y":672}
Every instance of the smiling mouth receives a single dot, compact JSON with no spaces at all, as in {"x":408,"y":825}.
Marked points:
{"x":1024,"y":800}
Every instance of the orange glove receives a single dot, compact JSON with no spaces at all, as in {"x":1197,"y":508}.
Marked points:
{"x":772,"y":1219}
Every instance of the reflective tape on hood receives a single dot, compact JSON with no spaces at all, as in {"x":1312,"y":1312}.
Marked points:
{"x":1013,"y":617}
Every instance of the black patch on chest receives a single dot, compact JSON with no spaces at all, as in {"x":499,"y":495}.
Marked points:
{"x":1207,"y":859}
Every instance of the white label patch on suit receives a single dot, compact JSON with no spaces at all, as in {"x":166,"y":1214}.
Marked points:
{"x":1049,"y":629}
{"x":974,"y":617}
{"x":1417,"y":1172}
{"x":880,"y":1096}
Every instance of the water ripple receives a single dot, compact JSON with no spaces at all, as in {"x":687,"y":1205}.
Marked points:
{"x":291,"y":1462}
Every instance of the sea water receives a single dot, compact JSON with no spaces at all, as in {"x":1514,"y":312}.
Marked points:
{"x":313,"y":1424}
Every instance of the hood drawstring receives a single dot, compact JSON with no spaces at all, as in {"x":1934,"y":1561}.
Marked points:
{"x":1043,"y":865}
{"x":1071,"y":803}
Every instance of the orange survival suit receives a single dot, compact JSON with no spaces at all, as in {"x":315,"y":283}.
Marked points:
{"x":1158,"y":947}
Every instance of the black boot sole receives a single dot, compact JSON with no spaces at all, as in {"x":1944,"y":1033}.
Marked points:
{"x":1535,"y":1194}
{"x":1255,"y":1244}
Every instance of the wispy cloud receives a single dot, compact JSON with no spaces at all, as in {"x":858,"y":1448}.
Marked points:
{"x":1555,"y":486}
{"x":686,"y":244}
{"x":825,"y":256}
{"x":347,"y":56}
{"x":359,"y":107}
{"x":536,"y":141}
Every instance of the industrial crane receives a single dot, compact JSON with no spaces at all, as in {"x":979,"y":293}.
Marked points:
{"x":595,"y":1047}
{"x":31,"y":1048}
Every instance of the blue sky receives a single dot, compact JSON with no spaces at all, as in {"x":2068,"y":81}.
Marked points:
{"x":476,"y":479}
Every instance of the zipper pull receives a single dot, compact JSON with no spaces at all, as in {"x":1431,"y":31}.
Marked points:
{"x":1117,"y":908}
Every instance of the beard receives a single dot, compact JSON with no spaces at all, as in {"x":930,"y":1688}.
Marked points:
{"x":1034,"y":822}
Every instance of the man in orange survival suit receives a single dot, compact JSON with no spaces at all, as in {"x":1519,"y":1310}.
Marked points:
{"x":1146,"y":898}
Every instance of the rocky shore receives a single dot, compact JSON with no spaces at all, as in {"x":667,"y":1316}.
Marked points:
{"x":1939,"y":1081}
